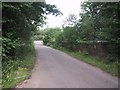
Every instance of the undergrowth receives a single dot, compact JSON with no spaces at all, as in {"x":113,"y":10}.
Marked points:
{"x":18,"y":69}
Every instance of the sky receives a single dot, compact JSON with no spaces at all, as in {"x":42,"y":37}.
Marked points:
{"x":67,"y":7}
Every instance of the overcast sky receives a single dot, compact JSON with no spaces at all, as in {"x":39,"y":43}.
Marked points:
{"x":66,"y":7}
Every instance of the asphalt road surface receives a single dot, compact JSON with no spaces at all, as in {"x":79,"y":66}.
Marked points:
{"x":55,"y":69}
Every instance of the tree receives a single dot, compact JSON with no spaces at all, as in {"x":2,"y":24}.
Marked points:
{"x":70,"y":21}
{"x":104,"y":21}
{"x":104,"y":17}
{"x":20,"y":20}
{"x":50,"y":36}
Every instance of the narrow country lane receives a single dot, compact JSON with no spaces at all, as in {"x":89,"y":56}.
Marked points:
{"x":55,"y":69}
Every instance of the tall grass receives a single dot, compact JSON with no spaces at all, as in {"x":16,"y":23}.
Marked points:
{"x":18,"y":69}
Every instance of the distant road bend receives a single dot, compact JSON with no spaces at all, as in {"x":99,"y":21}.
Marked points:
{"x":55,"y":69}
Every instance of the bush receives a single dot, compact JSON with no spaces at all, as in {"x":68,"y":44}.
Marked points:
{"x":50,"y":36}
{"x":17,"y":69}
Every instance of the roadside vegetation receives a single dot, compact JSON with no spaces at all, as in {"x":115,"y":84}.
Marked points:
{"x":18,"y":69}
{"x":93,"y":38}
{"x":111,"y":68}
{"x":19,"y":22}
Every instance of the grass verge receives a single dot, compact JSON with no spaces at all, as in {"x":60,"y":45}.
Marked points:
{"x":111,"y":68}
{"x":15,"y":71}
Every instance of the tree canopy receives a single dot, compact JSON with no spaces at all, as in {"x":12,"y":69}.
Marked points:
{"x":19,"y":20}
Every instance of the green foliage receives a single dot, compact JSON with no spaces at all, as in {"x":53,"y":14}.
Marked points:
{"x":98,"y":22}
{"x":104,"y":19}
{"x":69,"y":38}
{"x":19,"y":21}
{"x":16,"y":70}
{"x":8,"y":47}
{"x":51,"y":35}
{"x":38,"y":34}
{"x":18,"y":27}
{"x":70,"y":21}
{"x":110,"y":68}
{"x":86,"y":29}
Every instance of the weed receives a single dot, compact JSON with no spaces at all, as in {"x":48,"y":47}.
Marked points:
{"x":14,"y":71}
